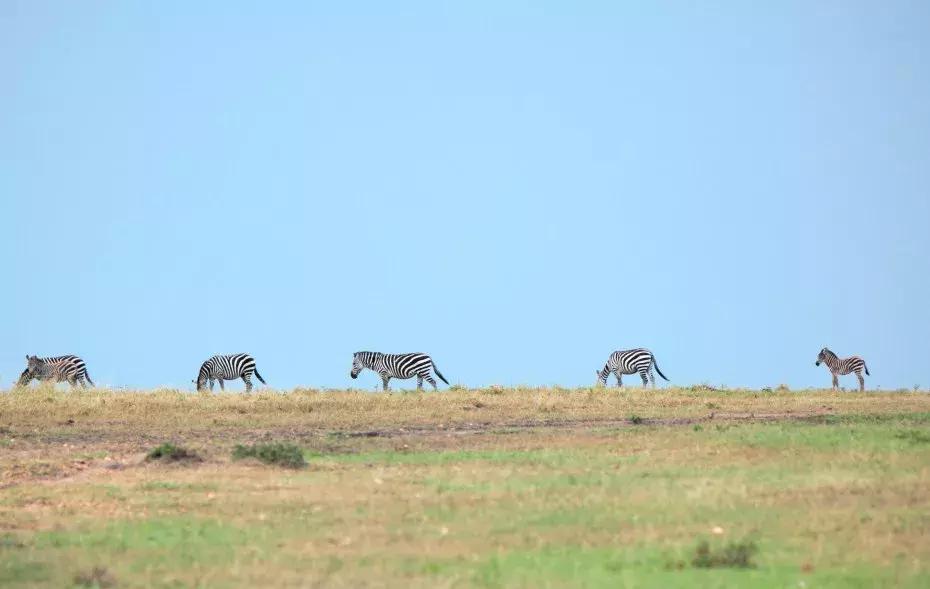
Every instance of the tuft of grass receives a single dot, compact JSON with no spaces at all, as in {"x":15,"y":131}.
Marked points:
{"x":278,"y":453}
{"x":168,"y":452}
{"x":636,"y":420}
{"x":736,"y":555}
{"x":914,"y":436}
{"x":96,"y":577}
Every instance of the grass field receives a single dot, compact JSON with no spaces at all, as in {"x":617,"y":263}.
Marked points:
{"x":486,"y":488}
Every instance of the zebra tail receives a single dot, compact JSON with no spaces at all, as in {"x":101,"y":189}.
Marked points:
{"x":87,"y":376}
{"x":439,"y":374}
{"x":259,"y":377}
{"x":866,"y":369}
{"x":656,"y":364}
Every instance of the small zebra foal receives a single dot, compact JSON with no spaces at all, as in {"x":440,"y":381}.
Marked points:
{"x":228,"y":367}
{"x":401,"y":366}
{"x":57,"y":369}
{"x":843,"y":366}
{"x":638,"y":360}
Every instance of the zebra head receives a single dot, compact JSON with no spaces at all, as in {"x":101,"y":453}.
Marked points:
{"x":822,"y":356}
{"x":33,"y":364}
{"x":357,"y":365}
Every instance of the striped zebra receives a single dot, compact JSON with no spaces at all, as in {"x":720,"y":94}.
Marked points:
{"x":57,"y":369}
{"x":621,"y":362}
{"x":843,"y":366}
{"x":390,"y":366}
{"x":228,"y":367}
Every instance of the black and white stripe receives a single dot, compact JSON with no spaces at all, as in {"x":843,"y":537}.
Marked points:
{"x":622,"y":362}
{"x":390,"y":366}
{"x":228,"y":367}
{"x":843,"y":366}
{"x":57,"y":368}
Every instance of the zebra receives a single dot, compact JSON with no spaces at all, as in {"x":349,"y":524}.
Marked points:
{"x":57,"y":369}
{"x":228,"y":367}
{"x":390,"y":366}
{"x":621,"y":362}
{"x":843,"y":366}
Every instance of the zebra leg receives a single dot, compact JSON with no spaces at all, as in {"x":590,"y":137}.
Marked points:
{"x":248,"y":383}
{"x":211,"y":385}
{"x":652,"y":378}
{"x":220,"y":380}
{"x":861,"y":382}
{"x":642,"y":375}
{"x":72,"y":381}
{"x":619,"y":379}
{"x":384,"y":380}
{"x":836,"y":382}
{"x":432,"y":381}
{"x":419,"y":383}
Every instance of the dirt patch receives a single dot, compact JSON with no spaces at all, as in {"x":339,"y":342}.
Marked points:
{"x":569,"y":424}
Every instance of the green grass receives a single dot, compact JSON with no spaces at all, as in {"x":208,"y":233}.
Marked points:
{"x":821,"y":500}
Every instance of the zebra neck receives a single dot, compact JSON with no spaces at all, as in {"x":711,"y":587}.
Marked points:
{"x":371,"y":359}
{"x":833,"y":361}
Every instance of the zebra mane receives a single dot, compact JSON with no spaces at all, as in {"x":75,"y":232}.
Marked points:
{"x":829,"y":353}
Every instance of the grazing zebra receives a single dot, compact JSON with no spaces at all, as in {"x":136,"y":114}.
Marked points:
{"x":390,"y":366}
{"x":621,"y":362}
{"x":228,"y":367}
{"x":57,"y":369}
{"x":843,"y":366}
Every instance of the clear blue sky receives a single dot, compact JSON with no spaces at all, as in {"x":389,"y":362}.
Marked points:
{"x":515,"y":188}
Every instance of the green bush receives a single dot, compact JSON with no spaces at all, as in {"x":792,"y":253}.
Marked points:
{"x":736,"y":555}
{"x":286,"y":455}
{"x":168,"y":452}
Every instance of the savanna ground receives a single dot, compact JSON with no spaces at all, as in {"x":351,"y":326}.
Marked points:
{"x":486,"y":488}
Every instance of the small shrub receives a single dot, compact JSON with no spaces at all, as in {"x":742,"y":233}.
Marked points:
{"x":10,"y":541}
{"x":737,"y":555}
{"x":913,"y":436}
{"x":636,"y":420}
{"x":281,"y":454}
{"x":168,"y":452}
{"x":96,"y":577}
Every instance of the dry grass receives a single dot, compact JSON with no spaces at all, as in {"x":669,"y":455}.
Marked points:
{"x":353,"y":410}
{"x":489,"y":488}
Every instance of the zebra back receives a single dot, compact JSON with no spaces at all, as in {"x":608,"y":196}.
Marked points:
{"x":226,"y":367}
{"x":394,"y":365}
